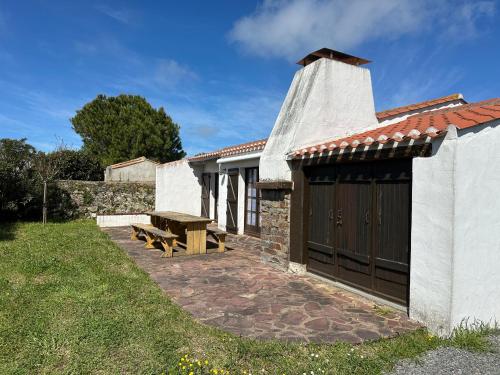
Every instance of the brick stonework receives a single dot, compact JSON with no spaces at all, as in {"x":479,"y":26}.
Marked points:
{"x":275,"y":227}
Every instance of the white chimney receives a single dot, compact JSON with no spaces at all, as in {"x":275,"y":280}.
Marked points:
{"x":329,"y":98}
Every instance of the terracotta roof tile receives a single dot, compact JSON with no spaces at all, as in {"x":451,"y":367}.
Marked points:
{"x":231,"y":150}
{"x":414,"y":107}
{"x":462,"y":116}
{"x":205,"y":156}
{"x":131,"y":162}
{"x":423,"y":125}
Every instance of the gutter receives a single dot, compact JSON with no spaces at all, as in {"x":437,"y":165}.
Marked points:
{"x":253,"y":155}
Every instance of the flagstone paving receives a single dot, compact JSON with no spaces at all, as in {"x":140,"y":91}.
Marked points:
{"x":236,"y":292}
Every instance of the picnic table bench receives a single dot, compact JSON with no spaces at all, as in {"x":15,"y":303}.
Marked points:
{"x":190,"y":229}
{"x":219,"y":236}
{"x":152,"y":235}
{"x":171,"y":229}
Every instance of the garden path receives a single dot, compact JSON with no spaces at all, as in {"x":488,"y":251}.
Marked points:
{"x":238,"y":293}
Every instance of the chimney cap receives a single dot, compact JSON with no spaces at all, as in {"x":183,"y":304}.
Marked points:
{"x":333,"y":55}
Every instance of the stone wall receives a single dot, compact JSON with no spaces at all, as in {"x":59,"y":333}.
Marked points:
{"x":72,"y":199}
{"x":275,"y":227}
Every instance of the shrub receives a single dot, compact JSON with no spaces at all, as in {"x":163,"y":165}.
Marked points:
{"x":20,"y":188}
{"x":77,"y":165}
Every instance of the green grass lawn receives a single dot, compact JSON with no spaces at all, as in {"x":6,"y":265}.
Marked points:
{"x":72,"y":302}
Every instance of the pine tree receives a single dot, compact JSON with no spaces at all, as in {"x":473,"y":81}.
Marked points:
{"x":116,"y":129}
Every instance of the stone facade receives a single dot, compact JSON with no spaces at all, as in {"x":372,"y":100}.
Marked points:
{"x":275,"y":227}
{"x":72,"y":199}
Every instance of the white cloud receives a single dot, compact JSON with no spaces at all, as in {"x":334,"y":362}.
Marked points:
{"x":121,"y":15}
{"x":464,"y":19}
{"x":131,"y":69}
{"x":292,"y":28}
{"x":157,"y":75}
{"x":169,"y":73}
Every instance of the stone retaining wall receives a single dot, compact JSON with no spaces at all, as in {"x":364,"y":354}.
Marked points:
{"x":275,"y":227}
{"x":72,"y":199}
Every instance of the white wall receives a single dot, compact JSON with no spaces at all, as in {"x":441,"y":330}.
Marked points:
{"x":455,"y":248}
{"x":139,"y":172}
{"x":178,"y":187}
{"x":122,"y":220}
{"x":327,"y":99}
{"x":431,"y":238}
{"x":476,"y":276}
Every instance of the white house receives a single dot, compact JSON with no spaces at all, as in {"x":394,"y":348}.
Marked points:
{"x":402,"y":205}
{"x":219,"y":185}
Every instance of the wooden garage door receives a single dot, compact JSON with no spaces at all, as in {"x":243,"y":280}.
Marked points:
{"x":392,"y":228}
{"x":321,"y":216}
{"x":353,"y":224}
{"x":359,"y":225}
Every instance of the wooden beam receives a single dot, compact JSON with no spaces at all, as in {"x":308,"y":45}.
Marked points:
{"x":275,"y":185}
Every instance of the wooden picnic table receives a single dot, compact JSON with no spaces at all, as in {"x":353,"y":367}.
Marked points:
{"x":191,"y":229}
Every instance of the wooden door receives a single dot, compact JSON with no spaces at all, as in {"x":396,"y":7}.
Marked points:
{"x":320,"y":241}
{"x":216,"y":196}
{"x":353,"y":225}
{"x":232,"y":201}
{"x":359,"y":225}
{"x":252,"y":202}
{"x":205,"y":195}
{"x":392,"y":229}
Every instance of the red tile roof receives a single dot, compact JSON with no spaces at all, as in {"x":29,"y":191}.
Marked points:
{"x":205,"y":156}
{"x":414,"y":107}
{"x":231,"y":150}
{"x":131,"y":162}
{"x":420,"y":126}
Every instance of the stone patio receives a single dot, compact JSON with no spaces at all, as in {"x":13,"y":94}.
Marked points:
{"x":238,"y":293}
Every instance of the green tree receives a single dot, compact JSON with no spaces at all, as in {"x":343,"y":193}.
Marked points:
{"x":115,"y":129}
{"x":47,"y":168}
{"x":77,"y":165}
{"x":19,"y":185}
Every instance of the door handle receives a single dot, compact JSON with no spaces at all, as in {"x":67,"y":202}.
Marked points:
{"x":339,"y":217}
{"x":367,"y":217}
{"x":330,"y":214}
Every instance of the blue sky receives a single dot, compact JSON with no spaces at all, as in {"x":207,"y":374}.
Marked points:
{"x":222,"y":68}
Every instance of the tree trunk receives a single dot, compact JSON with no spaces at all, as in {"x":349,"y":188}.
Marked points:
{"x":44,"y":212}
